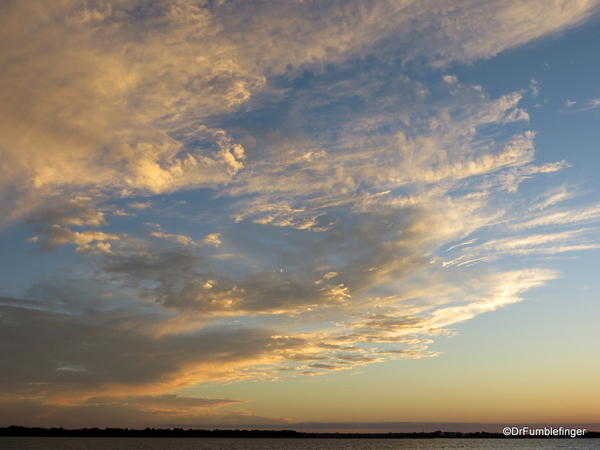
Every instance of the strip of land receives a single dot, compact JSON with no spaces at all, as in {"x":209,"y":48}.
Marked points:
{"x":264,"y":434}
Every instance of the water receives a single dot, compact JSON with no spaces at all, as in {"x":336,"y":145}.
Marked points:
{"x":33,"y":443}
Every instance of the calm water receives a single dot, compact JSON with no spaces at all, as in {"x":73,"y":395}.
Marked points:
{"x":26,"y":443}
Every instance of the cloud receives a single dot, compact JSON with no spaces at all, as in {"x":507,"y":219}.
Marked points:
{"x":86,"y":241}
{"x":173,"y":403}
{"x":593,"y":103}
{"x":178,"y":238}
{"x":213,"y":239}
{"x":341,"y":216}
{"x":179,"y":283}
{"x":533,"y":85}
{"x":111,"y":98}
{"x":140,"y":205}
{"x":561,"y":216}
{"x":589,"y":104}
{"x":114,"y":358}
{"x":533,"y":244}
{"x":118,"y":96}
{"x":552,"y":197}
{"x":139,"y":412}
{"x":450,"y":79}
{"x":418,"y":153}
{"x":337,"y":236}
{"x":498,"y":290}
{"x":337,"y":265}
{"x":78,"y":211}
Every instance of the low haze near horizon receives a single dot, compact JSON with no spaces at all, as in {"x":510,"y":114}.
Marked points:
{"x":239,"y":213}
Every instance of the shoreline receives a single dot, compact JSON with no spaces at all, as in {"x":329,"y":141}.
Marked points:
{"x":20,"y":431}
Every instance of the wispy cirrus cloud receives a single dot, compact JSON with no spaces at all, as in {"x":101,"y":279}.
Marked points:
{"x":561,"y":216}
{"x":531,"y":244}
{"x":590,"y":104}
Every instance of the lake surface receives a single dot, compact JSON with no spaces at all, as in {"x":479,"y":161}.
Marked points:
{"x":32,"y":443}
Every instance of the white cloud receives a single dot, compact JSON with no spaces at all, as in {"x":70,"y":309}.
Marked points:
{"x":533,"y":85}
{"x":562,"y":216}
{"x":532,"y":244}
{"x":590,"y":104}
{"x":450,"y":79}
{"x":552,"y":197}
{"x":496,"y":291}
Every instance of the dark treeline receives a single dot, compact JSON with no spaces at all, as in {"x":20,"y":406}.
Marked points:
{"x":281,"y":434}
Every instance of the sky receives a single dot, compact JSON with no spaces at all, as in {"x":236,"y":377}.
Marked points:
{"x":299,"y":213}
